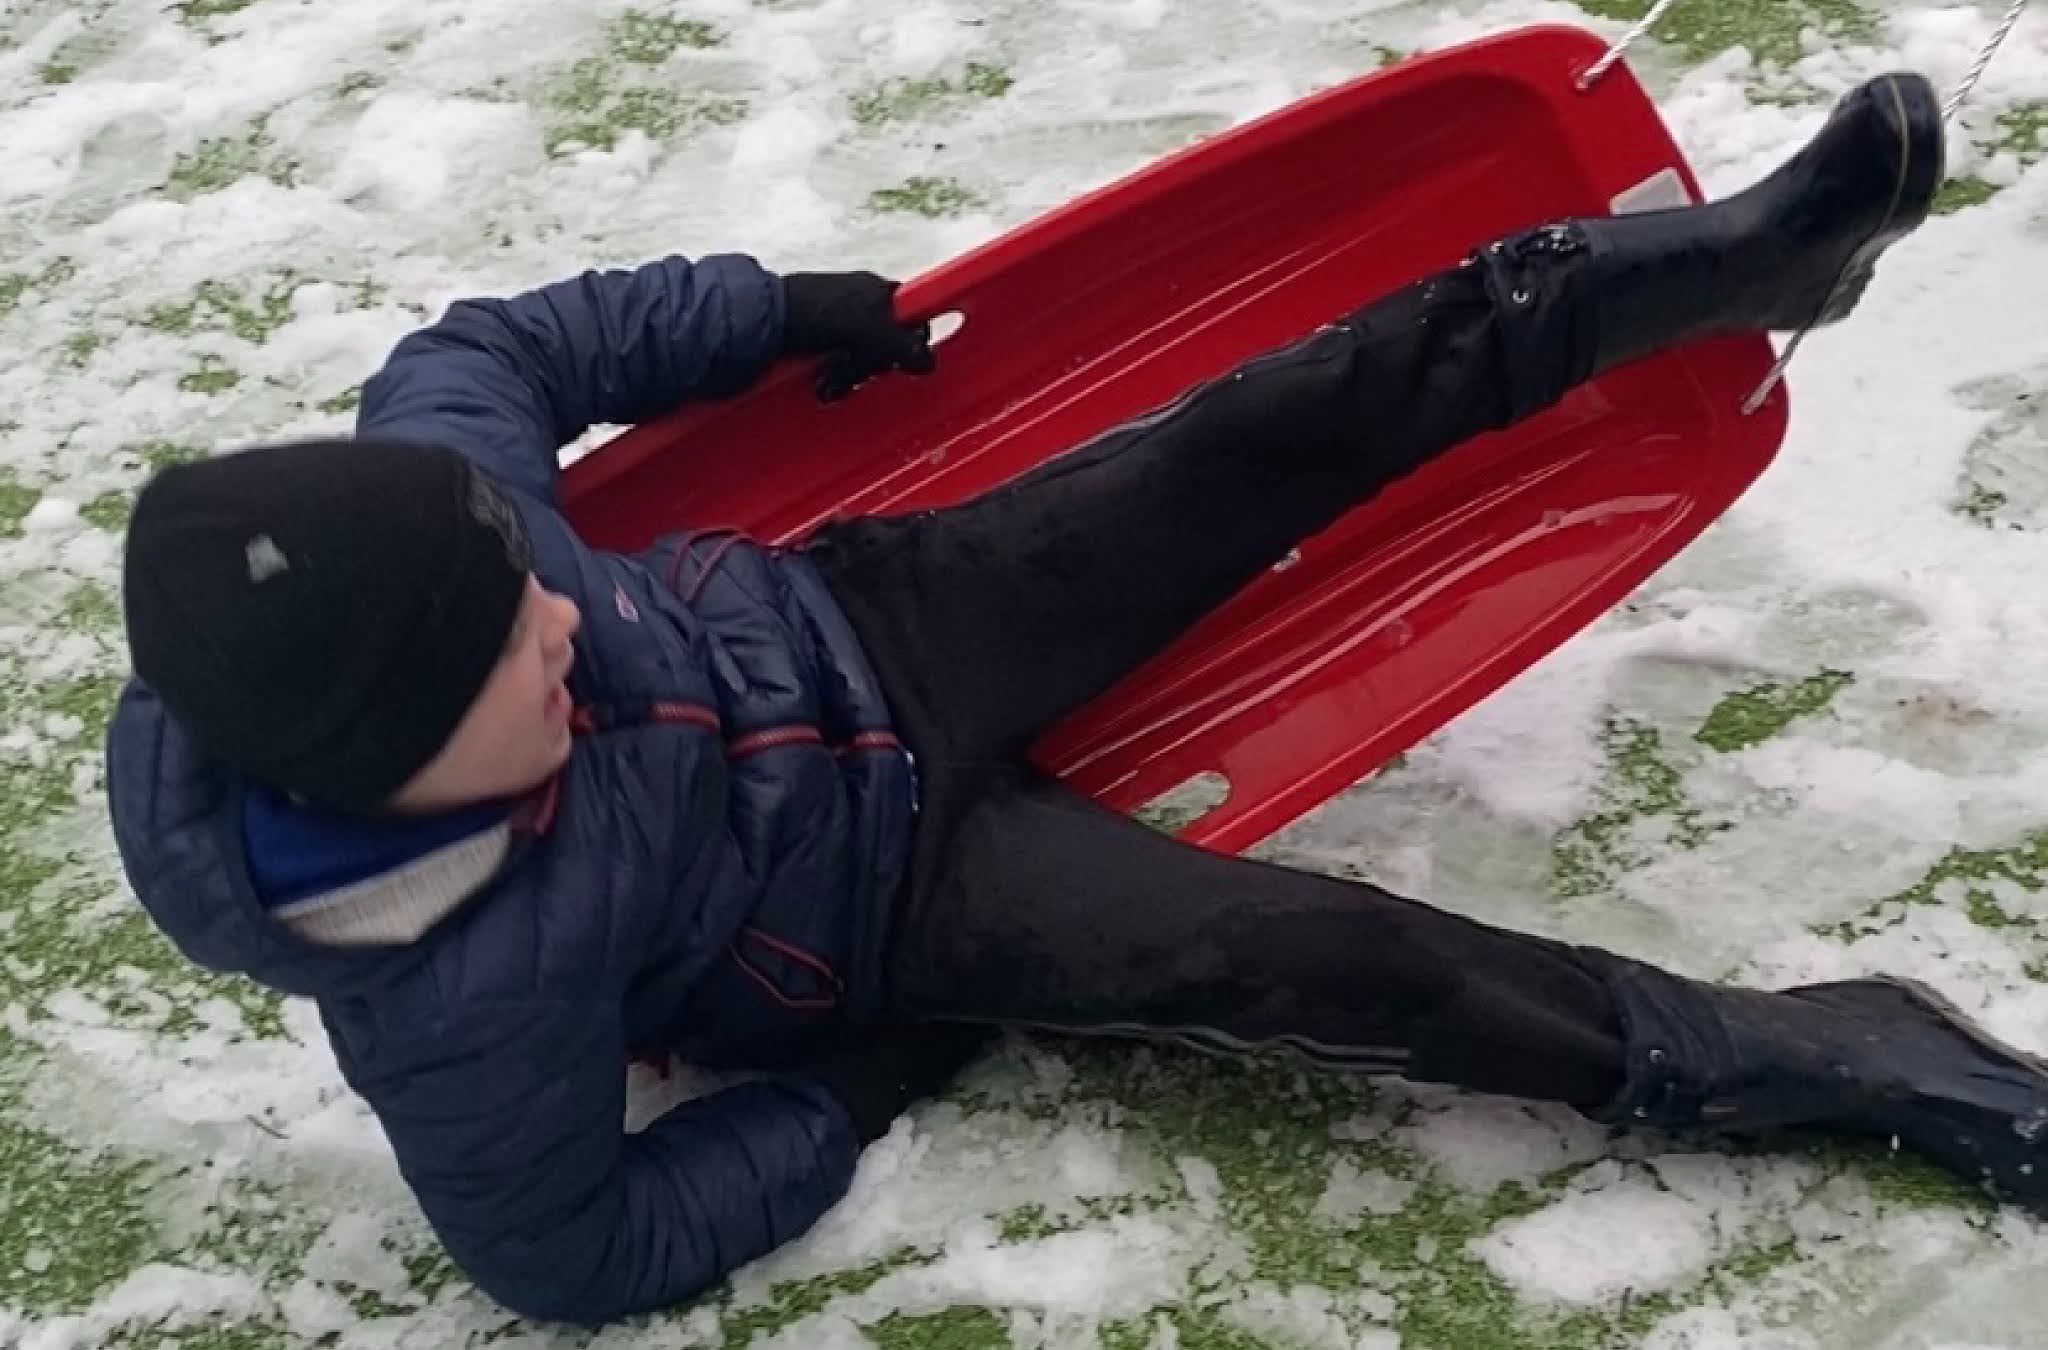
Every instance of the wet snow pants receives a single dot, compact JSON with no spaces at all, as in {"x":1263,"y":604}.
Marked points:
{"x":988,"y":621}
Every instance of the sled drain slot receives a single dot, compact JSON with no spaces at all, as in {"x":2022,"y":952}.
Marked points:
{"x":1186,"y":802}
{"x":1661,"y":191}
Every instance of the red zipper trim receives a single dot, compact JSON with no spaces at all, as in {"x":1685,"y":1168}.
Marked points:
{"x":711,"y":563}
{"x":797,"y":954}
{"x":689,"y":541}
{"x":869,"y":740}
{"x":670,"y":713}
{"x":753,"y":972}
{"x":584,"y":721}
{"x":790,"y":953}
{"x":754,"y":742}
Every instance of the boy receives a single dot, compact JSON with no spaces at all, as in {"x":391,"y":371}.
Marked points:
{"x":512,"y":810}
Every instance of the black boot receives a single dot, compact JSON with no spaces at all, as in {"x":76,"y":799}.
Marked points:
{"x":1797,"y":248}
{"x":1881,"y":1057}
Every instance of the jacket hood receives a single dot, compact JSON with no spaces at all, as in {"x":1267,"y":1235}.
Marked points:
{"x":178,"y":825}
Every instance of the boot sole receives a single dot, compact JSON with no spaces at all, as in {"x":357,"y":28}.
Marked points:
{"x":1919,"y":177}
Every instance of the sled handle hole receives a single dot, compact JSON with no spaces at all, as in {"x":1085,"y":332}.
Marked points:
{"x":946,"y":325}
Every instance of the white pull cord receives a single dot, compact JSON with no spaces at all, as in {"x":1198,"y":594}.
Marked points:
{"x":1976,"y":72}
{"x":1621,"y":45}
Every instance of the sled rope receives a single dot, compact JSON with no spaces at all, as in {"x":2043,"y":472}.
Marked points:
{"x":1621,"y":44}
{"x":1976,"y":72}
{"x":1948,"y":111}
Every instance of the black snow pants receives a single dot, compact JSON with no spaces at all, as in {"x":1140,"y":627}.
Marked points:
{"x":988,"y":621}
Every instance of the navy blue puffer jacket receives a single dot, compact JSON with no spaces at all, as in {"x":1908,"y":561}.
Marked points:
{"x":709,"y":875}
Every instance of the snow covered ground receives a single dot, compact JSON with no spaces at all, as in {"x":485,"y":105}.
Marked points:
{"x":1816,"y":745}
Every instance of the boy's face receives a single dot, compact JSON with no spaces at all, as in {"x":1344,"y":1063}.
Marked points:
{"x":516,"y":733}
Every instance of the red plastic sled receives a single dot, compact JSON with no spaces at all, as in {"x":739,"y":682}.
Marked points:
{"x":1407,"y":611}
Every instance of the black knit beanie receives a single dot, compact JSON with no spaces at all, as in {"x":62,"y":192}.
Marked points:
{"x":320,"y":615}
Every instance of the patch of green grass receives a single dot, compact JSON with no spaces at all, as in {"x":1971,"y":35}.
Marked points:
{"x":252,"y":316}
{"x":1267,"y":1128}
{"x":368,"y":1303}
{"x":15,"y":285}
{"x":1031,"y":1223}
{"x":2024,"y":865}
{"x":1899,"y":1178}
{"x":212,"y":376}
{"x":1752,"y":716}
{"x":16,"y":501}
{"x":159,"y":455}
{"x":252,"y":1227}
{"x":91,"y":607}
{"x":89,"y":698}
{"x":109,"y":511}
{"x":1752,"y":1264}
{"x":79,"y":52}
{"x":176,"y":320}
{"x":1183,"y":1327}
{"x":895,"y":100}
{"x":35,"y":793}
{"x":982,"y":80}
{"x":1985,"y":913}
{"x":205,"y":1336}
{"x":347,"y":401}
{"x":197,"y":11}
{"x":593,"y":107}
{"x":2019,"y":130}
{"x":71,"y":1225}
{"x":74,"y":1222}
{"x":647,"y":39}
{"x":1027,"y":1223}
{"x":78,"y":349}
{"x":932,"y":198}
{"x":357,"y":82}
{"x":1640,"y":786}
{"x":1263,"y":1123}
{"x":1981,"y":504}
{"x":1911,"y":1182}
{"x":54,"y":946}
{"x":430,"y":1270}
{"x":1772,"y":30}
{"x":2000,"y":485}
{"x":225,"y":160}
{"x":798,"y":1299}
{"x":902,"y":100}
{"x":1960,"y":193}
{"x":962,"y":1328}
{"x":661,"y":113}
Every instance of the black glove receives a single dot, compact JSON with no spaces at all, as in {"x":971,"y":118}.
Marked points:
{"x":850,"y":317}
{"x":884,"y":1071}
